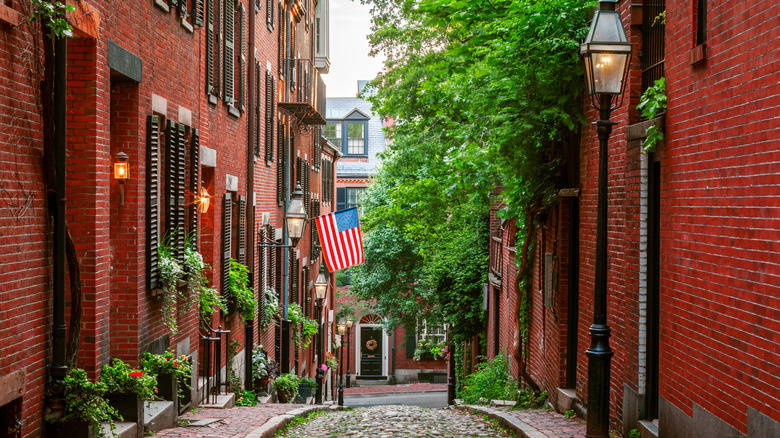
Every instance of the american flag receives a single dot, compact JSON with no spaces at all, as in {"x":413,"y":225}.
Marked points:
{"x":340,"y":238}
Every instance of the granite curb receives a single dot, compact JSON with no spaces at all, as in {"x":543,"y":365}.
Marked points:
{"x":523,"y":429}
{"x":275,"y":424}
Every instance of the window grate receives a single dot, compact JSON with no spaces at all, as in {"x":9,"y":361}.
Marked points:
{"x":653,"y":50}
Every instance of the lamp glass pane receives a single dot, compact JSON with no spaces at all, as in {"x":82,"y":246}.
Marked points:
{"x":121,"y":171}
{"x":607,"y":27}
{"x":608,"y":72}
{"x":295,"y":227}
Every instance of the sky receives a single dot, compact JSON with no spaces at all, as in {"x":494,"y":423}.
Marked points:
{"x":350,"y":24}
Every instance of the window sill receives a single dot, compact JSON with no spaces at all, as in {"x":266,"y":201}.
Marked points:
{"x":186,"y":25}
{"x":162,"y":4}
{"x":10,"y":15}
{"x":699,"y":54}
{"x":233,"y":111}
{"x":213,"y":99}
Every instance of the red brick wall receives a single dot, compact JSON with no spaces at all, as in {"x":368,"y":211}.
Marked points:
{"x":720,"y":278}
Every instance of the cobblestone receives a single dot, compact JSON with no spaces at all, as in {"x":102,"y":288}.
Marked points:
{"x":395,"y":421}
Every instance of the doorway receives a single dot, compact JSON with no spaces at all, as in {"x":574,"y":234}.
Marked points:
{"x":371,"y":351}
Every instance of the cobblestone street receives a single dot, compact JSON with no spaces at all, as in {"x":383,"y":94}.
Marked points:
{"x":395,"y":421}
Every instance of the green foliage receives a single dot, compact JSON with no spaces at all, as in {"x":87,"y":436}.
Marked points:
{"x":308,"y":381}
{"x":633,"y":433}
{"x":167,"y":363}
{"x":53,"y":15}
{"x":303,"y":328}
{"x":240,"y":290}
{"x":259,"y":364}
{"x":288,"y":384}
{"x":271,"y":307}
{"x":246,"y":398}
{"x":427,"y":346}
{"x":569,"y":414}
{"x":529,"y":399}
{"x":211,"y":300}
{"x":120,"y":378}
{"x":84,"y":402}
{"x":490,"y":381}
{"x":651,"y":104}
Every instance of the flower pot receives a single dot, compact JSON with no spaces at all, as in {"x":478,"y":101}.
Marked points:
{"x":261,"y":386}
{"x":129,"y":405}
{"x":303,"y":393}
{"x":284,"y":396}
{"x":167,"y":387}
{"x":71,"y":429}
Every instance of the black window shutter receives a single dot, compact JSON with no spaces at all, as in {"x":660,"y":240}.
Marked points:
{"x":197,"y":12}
{"x":305,"y":290}
{"x":258,"y":5}
{"x":171,"y":158}
{"x":272,"y":261}
{"x":341,"y":198}
{"x":182,"y":8}
{"x":317,"y":153}
{"x":228,"y":38}
{"x":258,"y":100}
{"x":270,"y":14}
{"x":294,"y":286}
{"x":210,"y":36}
{"x":152,"y":201}
{"x":411,"y":345}
{"x":269,"y":117}
{"x":194,"y":184}
{"x":242,"y":229}
{"x":306,"y":187}
{"x":241,"y":104}
{"x":227,"y":228}
{"x":278,"y":268}
{"x":261,"y":274}
{"x":180,"y":189}
{"x":315,"y":238}
{"x":280,"y":166}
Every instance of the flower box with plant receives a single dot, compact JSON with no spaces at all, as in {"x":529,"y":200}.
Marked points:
{"x":85,"y":408}
{"x":652,"y":104}
{"x":260,"y":370}
{"x":240,"y":292}
{"x":286,"y":387}
{"x":173,"y":373}
{"x":429,"y":349}
{"x":127,"y":388}
{"x":303,"y":328}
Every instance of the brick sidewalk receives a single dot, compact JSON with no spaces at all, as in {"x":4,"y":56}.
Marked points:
{"x":394,"y":389}
{"x":234,"y":422}
{"x":536,"y":423}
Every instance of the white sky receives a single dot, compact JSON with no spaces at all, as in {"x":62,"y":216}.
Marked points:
{"x":350,"y":23}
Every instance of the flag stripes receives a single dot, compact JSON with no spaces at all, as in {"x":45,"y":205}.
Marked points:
{"x":340,"y":238}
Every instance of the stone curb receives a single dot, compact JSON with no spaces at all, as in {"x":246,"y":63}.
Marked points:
{"x":523,"y":429}
{"x":275,"y":424}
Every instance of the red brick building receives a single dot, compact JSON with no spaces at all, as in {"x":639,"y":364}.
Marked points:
{"x":215,"y":96}
{"x":693,"y":230}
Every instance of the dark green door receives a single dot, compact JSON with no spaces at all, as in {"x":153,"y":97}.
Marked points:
{"x":370,"y":351}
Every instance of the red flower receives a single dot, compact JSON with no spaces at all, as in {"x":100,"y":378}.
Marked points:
{"x":176,"y":363}
{"x":136,"y":374}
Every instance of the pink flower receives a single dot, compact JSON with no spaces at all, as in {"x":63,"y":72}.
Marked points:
{"x":324,"y":367}
{"x":136,"y":374}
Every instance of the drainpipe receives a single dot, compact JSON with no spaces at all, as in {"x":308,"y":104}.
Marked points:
{"x":59,"y":368}
{"x":249,"y":332}
{"x":285,"y":365}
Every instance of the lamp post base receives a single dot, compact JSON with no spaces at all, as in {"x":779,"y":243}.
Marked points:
{"x":599,"y":361}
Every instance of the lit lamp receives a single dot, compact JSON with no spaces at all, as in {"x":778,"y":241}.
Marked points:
{"x":320,"y":290}
{"x":121,"y":174}
{"x":606,"y":53}
{"x":204,"y":199}
{"x":296,"y":215}
{"x":342,"y":328}
{"x":350,"y":321}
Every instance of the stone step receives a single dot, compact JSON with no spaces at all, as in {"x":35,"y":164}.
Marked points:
{"x":122,"y":430}
{"x":224,"y":401}
{"x":159,"y":415}
{"x":566,"y":398}
{"x":648,"y":429}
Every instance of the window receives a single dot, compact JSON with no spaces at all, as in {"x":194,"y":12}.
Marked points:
{"x":348,"y":197}
{"x":653,"y":29}
{"x":435,"y":333}
{"x":333,"y":133}
{"x":701,"y":22}
{"x":356,"y":139}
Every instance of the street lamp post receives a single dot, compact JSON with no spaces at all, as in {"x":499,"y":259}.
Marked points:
{"x":320,"y":289}
{"x":295,"y":221}
{"x":342,"y":327}
{"x":350,"y":321}
{"x":606,"y":53}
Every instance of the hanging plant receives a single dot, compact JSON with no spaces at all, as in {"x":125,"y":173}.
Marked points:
{"x":270,"y":307}
{"x":651,"y":104}
{"x":303,"y":328}
{"x":240,"y":290}
{"x":171,"y":272}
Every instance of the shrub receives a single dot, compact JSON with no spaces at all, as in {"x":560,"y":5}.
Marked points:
{"x":490,"y":381}
{"x":288,"y":384}
{"x":84,"y":402}
{"x":120,"y":378}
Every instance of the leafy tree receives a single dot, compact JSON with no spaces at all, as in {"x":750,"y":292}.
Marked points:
{"x":483,"y":93}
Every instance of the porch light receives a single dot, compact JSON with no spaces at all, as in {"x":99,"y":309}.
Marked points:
{"x":606,"y":52}
{"x":342,"y":326}
{"x":296,"y":215}
{"x":204,"y":200}
{"x":121,"y":174}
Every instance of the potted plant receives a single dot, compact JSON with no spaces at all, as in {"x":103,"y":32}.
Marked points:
{"x":260,"y":370}
{"x":303,"y":328}
{"x":85,"y":409}
{"x":286,"y":387}
{"x":173,"y":373}
{"x":306,"y":387}
{"x":127,"y":388}
{"x":331,"y":361}
{"x":428,"y":349}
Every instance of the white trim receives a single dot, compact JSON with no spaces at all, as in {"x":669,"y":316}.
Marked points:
{"x":385,"y":348}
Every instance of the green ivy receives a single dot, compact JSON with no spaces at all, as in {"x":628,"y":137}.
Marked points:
{"x":242,"y":293}
{"x":53,"y":15}
{"x":490,"y":381}
{"x":651,"y":104}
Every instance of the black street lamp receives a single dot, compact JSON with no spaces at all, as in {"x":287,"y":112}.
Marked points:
{"x":606,"y":54}
{"x":295,"y":219}
{"x":350,"y":321}
{"x":320,"y":290}
{"x":342,"y":327}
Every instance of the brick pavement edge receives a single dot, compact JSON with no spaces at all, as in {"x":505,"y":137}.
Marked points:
{"x":275,"y":424}
{"x":523,"y":429}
